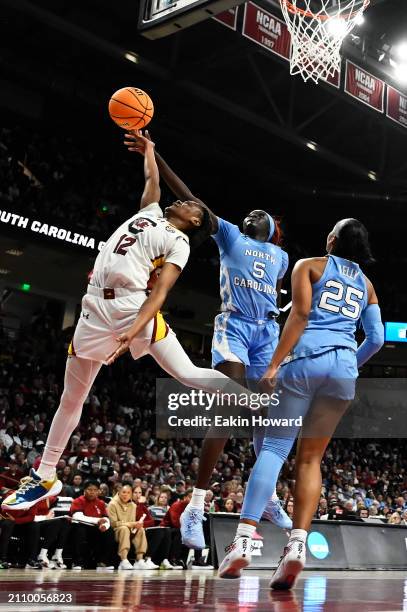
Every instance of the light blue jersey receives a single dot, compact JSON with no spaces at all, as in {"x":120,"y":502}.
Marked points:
{"x":249,"y":272}
{"x":338,"y":300}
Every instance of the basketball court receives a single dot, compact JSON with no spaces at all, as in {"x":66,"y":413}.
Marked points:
{"x":315,"y":592}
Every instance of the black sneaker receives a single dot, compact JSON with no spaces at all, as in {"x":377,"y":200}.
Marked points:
{"x":5,"y":565}
{"x":178,"y":564}
{"x":201,"y":564}
{"x":33,"y":564}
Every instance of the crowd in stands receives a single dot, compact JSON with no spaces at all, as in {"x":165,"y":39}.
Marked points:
{"x":123,"y":487}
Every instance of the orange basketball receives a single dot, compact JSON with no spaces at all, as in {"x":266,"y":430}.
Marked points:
{"x":131,"y":108}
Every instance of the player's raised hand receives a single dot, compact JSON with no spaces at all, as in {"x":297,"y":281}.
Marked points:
{"x":136,"y":141}
{"x":269,"y":379}
{"x":124,"y":341}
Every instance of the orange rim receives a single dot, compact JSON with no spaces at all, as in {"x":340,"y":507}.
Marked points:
{"x":297,"y":11}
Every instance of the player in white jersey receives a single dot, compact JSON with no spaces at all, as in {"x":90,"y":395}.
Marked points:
{"x":122,"y":304}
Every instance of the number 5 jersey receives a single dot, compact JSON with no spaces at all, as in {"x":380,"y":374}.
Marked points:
{"x":249,"y":272}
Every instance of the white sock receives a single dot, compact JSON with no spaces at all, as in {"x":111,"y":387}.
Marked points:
{"x":45,"y":472}
{"x":298,"y":534}
{"x":43,"y":553}
{"x":245,"y":530}
{"x":58,"y":553}
{"x":198,"y":498}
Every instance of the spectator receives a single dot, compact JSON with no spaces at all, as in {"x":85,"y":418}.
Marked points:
{"x":160,"y":509}
{"x":289,"y":507}
{"x":395,"y":519}
{"x":91,"y":526}
{"x":229,"y":505}
{"x":363,"y":513}
{"x":128,"y":531}
{"x":76,"y":488}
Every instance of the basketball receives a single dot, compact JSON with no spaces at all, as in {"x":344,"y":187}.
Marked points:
{"x":131,"y":108}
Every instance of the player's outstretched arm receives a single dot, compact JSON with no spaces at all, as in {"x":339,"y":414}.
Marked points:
{"x":169,"y":274}
{"x":174,"y":183}
{"x":152,"y":191}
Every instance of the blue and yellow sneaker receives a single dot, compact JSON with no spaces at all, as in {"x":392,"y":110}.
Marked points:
{"x":192,"y":534}
{"x":275,"y":513}
{"x":31,"y":490}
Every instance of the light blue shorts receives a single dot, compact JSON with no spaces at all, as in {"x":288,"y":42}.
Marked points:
{"x":248,"y":341}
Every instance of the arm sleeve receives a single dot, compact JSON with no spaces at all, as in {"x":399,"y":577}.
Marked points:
{"x":226,"y":234}
{"x":374,"y":331}
{"x":284,"y":265}
{"x":178,"y":253}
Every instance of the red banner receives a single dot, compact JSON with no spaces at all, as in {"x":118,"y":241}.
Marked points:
{"x":334,"y":80}
{"x":364,"y":87}
{"x":397,"y":106}
{"x":266,"y":30}
{"x":228,"y":18}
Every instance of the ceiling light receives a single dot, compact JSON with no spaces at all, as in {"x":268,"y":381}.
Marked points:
{"x":401,"y":50}
{"x":360,"y":19}
{"x":336,"y":26}
{"x":312,"y":145}
{"x":400,"y":72}
{"x":4,"y":271}
{"x":372,"y":175}
{"x":15,"y":252}
{"x":132,"y":57}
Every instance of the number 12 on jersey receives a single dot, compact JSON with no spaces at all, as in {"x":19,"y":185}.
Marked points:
{"x":329,"y":299}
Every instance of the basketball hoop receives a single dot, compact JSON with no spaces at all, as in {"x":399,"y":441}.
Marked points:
{"x":318,"y":28}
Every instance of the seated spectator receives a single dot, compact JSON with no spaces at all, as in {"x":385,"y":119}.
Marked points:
{"x":363,"y":513}
{"x":91,"y":526}
{"x":105,"y":493}
{"x":29,"y":525}
{"x":395,"y":519}
{"x":160,"y":508}
{"x":75,"y":489}
{"x":141,"y":508}
{"x":289,"y":507}
{"x":229,"y":505}
{"x":128,"y":531}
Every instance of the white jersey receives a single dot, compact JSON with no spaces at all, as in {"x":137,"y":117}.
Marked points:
{"x":139,"y":247}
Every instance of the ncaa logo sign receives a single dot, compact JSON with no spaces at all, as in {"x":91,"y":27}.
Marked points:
{"x":318,"y":545}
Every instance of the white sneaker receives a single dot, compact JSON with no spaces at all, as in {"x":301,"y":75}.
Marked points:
{"x":275,"y":513}
{"x":149,"y":565}
{"x":43,"y":559}
{"x":166,"y":565}
{"x":77,"y":567}
{"x":238,"y":556}
{"x":291,"y":565}
{"x":125,"y":565}
{"x":57,"y":562}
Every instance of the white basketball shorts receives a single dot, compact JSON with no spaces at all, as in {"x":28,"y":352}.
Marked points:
{"x":102,"y":321}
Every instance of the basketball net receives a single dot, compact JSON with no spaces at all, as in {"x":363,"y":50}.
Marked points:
{"x":317,"y":34}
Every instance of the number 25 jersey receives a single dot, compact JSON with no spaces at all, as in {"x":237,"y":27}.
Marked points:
{"x":137,"y":249}
{"x":338,"y":300}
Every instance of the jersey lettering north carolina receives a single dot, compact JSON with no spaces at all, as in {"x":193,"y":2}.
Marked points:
{"x":249,"y":271}
{"x":338,"y":300}
{"x":137,"y":249}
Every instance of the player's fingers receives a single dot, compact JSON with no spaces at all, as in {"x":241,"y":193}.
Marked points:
{"x":147,"y":134}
